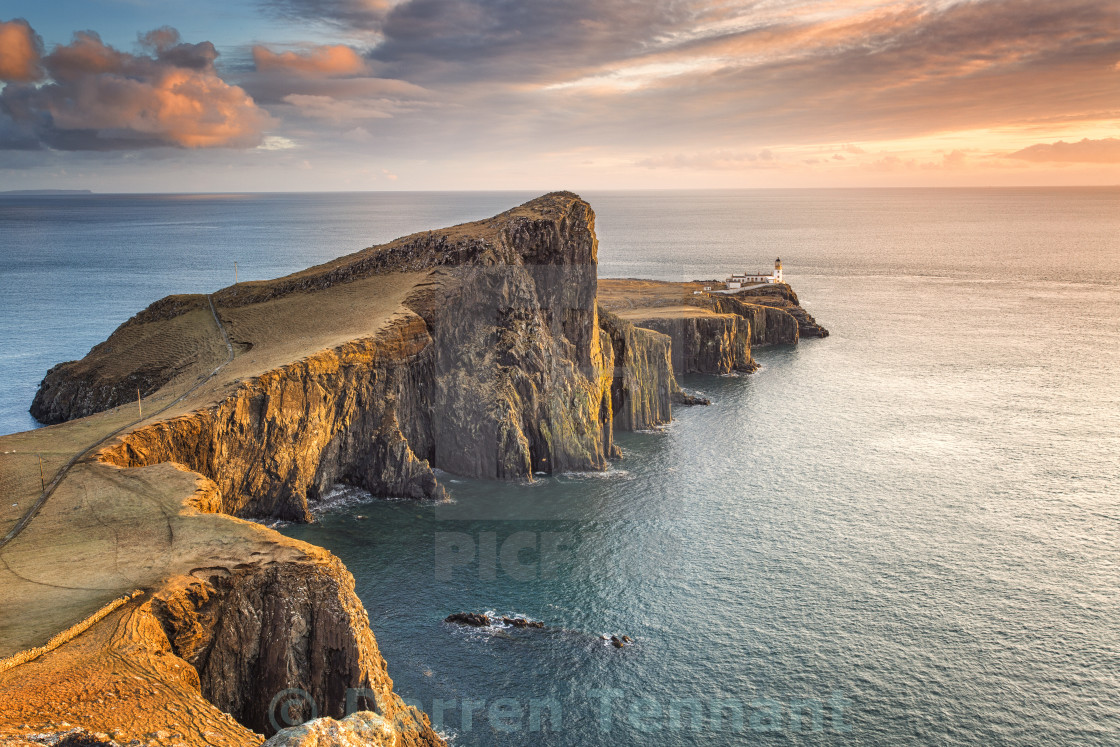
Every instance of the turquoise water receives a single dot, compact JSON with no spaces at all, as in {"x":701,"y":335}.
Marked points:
{"x":910,"y":528}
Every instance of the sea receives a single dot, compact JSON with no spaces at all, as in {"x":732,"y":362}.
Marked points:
{"x":906,"y":533}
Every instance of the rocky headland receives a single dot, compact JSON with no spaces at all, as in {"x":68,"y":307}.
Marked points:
{"x":140,"y":602}
{"x":710,"y":333}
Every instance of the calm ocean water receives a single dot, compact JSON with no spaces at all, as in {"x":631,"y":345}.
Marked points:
{"x":910,"y":528}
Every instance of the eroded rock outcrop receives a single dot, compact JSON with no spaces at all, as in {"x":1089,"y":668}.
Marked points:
{"x":496,"y":366}
{"x":780,"y":296}
{"x":643,"y":384}
{"x":279,"y":441}
{"x":142,"y":355}
{"x":262,"y":629}
{"x":768,"y":325}
{"x":482,"y":620}
{"x":704,"y":343}
{"x":515,"y":384}
{"x":221,"y":618}
{"x":711,"y":333}
{"x":361,"y":729}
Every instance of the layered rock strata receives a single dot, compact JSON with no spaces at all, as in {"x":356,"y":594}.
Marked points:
{"x":710,"y":333}
{"x":704,"y":343}
{"x":230,"y":629}
{"x":281,"y":439}
{"x":769,"y":325}
{"x":643,"y":387}
{"x":781,"y":296}
{"x":493,"y":364}
{"x":260,"y":629}
{"x":496,"y":365}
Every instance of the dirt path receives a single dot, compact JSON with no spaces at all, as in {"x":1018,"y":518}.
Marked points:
{"x":65,"y":470}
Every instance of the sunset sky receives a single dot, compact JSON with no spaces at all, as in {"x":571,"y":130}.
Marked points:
{"x":168,"y":95}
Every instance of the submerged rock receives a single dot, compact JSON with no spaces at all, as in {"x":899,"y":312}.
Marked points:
{"x":479,"y":620}
{"x":682,"y":397}
{"x":473,"y":619}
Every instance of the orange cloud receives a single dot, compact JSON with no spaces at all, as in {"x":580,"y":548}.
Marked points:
{"x":179,"y":107}
{"x":20,"y":52}
{"x":1106,"y":150}
{"x":102,"y":99}
{"x":325,"y":61}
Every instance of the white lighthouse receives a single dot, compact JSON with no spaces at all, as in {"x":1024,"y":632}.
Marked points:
{"x":738,"y":280}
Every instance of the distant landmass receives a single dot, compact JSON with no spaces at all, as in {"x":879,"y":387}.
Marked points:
{"x":47,"y":192}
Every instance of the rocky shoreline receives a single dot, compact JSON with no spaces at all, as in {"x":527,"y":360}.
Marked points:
{"x":506,"y":357}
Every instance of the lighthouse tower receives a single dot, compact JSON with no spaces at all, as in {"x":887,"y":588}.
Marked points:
{"x":778,"y":270}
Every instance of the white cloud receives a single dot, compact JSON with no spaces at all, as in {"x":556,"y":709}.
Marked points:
{"x":276,"y":142}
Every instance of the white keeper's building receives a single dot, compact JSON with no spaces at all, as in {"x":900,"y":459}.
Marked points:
{"x":739,"y":280}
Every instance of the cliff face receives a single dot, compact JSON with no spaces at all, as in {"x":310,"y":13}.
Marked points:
{"x":705,"y":343}
{"x":496,"y":365}
{"x":711,"y":333}
{"x":120,"y":679}
{"x":493,"y":368}
{"x":174,"y":668}
{"x":208,"y":617}
{"x":769,"y":325}
{"x":780,"y":296}
{"x":57,"y":400}
{"x":514,"y":386}
{"x":256,"y":630}
{"x":643,"y":385}
{"x":280,"y":440}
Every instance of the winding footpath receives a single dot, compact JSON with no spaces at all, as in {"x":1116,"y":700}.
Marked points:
{"x":32,"y":512}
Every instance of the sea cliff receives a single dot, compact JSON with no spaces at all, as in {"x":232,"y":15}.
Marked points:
{"x":710,"y":332}
{"x":258,"y":629}
{"x":488,"y":350}
{"x":495,"y":365}
{"x":491,"y":367}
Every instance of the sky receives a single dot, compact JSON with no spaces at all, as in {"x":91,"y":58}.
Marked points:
{"x":307,"y":95}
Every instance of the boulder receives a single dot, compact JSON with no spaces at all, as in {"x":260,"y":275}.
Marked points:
{"x":361,"y":729}
{"x":473,"y":619}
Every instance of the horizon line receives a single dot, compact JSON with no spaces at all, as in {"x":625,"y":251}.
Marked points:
{"x":80,"y":191}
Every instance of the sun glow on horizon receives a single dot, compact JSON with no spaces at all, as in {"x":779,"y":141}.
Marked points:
{"x":603,"y":94}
